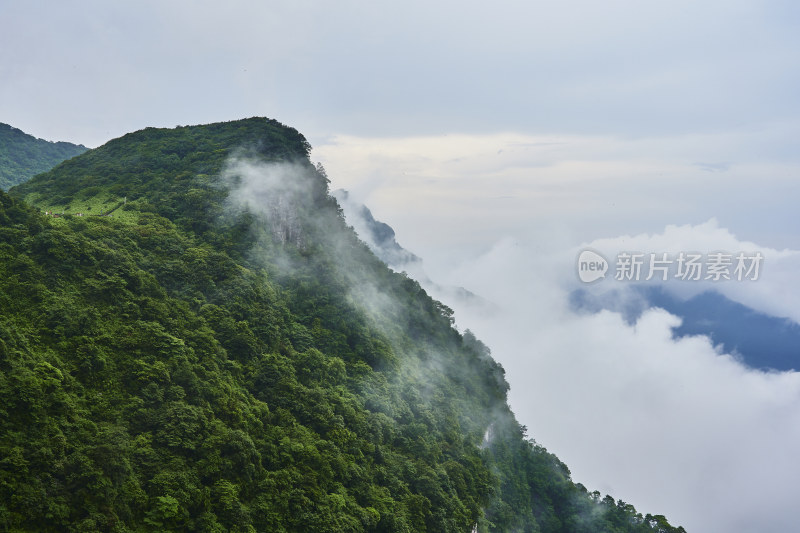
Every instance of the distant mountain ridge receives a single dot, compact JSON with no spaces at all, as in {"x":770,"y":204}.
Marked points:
{"x":381,"y":239}
{"x":379,"y":236}
{"x":758,"y":340}
{"x":22,"y":156}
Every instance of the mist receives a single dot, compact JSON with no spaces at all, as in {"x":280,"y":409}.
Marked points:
{"x":672,"y":425}
{"x":423,"y":368}
{"x":625,"y":404}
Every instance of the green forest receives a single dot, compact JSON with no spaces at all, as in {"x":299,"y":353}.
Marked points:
{"x":22,"y":156}
{"x":193,"y":339}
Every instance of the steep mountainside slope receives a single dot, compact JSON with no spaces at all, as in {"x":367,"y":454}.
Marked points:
{"x":200,"y":343}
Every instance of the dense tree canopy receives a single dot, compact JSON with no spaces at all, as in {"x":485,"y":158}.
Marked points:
{"x":175,"y":361}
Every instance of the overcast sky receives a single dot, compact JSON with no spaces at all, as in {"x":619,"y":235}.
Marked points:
{"x":498,"y":139}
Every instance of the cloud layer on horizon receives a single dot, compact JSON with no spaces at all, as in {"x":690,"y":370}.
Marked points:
{"x":576,"y":188}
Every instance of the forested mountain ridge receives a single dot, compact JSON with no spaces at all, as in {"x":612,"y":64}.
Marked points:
{"x":209,"y":347}
{"x":22,"y":156}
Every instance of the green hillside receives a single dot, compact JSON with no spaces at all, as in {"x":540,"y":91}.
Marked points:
{"x":211,"y":348}
{"x":22,"y":156}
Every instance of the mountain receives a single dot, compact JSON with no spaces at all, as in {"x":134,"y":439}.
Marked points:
{"x":22,"y":156}
{"x":193,"y":339}
{"x":758,"y":340}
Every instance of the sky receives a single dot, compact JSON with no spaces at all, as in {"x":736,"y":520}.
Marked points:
{"x":499,"y":140}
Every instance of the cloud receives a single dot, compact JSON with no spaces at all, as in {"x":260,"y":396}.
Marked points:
{"x":670,"y":425}
{"x":569,"y":188}
{"x":620,"y":68}
{"x":774,"y":292}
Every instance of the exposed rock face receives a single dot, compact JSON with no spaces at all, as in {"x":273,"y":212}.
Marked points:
{"x":379,"y":236}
